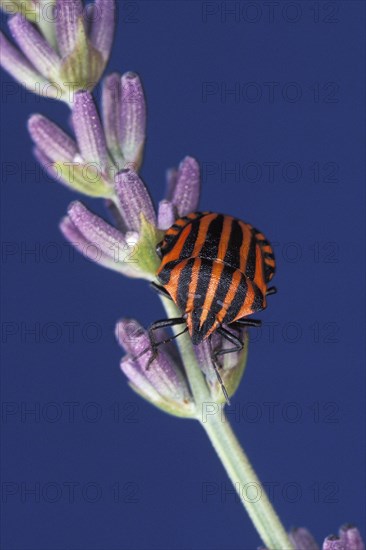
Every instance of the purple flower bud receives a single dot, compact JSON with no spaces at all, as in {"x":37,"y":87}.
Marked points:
{"x":46,"y":164}
{"x":96,"y":230}
{"x":14,"y":62}
{"x":84,"y":246}
{"x":187,"y":187}
{"x":89,"y":131}
{"x":133,"y":199}
{"x":102,"y":26}
{"x":51,"y":140}
{"x":162,"y":382}
{"x":34,"y":46}
{"x":332,"y":542}
{"x":302,"y":539}
{"x":111,"y":103}
{"x":139,"y":382}
{"x":99,"y":241}
{"x":166,"y":214}
{"x":351,"y":538}
{"x":68,"y":14}
{"x":132,"y":123}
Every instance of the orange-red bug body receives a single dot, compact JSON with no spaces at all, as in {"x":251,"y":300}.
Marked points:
{"x":216,"y":268}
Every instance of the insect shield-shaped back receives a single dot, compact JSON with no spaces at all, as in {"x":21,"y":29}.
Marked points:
{"x":216,"y":269}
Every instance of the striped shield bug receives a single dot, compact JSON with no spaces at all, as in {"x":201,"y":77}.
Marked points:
{"x":216,"y":269}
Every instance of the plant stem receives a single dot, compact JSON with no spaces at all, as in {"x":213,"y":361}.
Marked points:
{"x":196,"y":378}
{"x":240,"y":471}
{"x":244,"y":479}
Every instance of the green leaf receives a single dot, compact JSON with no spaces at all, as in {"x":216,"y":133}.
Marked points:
{"x":149,"y":237}
{"x":85,"y":179}
{"x":82,"y":69}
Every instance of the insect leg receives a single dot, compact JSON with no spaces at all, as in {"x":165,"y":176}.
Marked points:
{"x":271,"y":290}
{"x":162,"y":324}
{"x":246,"y":323}
{"x":216,"y":367}
{"x":160,"y":290}
{"x":232,"y":339}
{"x":214,"y":356}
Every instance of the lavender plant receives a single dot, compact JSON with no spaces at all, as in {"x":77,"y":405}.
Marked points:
{"x":62,"y":52}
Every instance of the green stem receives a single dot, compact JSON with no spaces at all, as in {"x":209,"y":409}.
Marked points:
{"x":240,"y":471}
{"x":249,"y":488}
{"x":196,"y":379}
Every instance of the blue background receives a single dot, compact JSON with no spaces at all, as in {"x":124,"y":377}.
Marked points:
{"x":311,"y":367}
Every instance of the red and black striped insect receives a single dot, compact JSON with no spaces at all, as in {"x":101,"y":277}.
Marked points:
{"x":216,"y":269}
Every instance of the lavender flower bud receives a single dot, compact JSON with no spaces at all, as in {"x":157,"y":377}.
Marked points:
{"x":21,"y":69}
{"x":35,"y":47}
{"x":186,"y":192}
{"x":58,"y":154}
{"x":133,"y":199}
{"x":111,"y":104}
{"x":132,"y":124}
{"x":96,"y":230}
{"x":46,"y":164}
{"x":89,"y":131}
{"x":83,"y":245}
{"x":166,"y":214}
{"x":102,"y":24}
{"x":332,"y":542}
{"x":162,"y":383}
{"x":51,"y":140}
{"x":99,"y":241}
{"x":302,"y":539}
{"x":351,"y":538}
{"x":68,"y":14}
